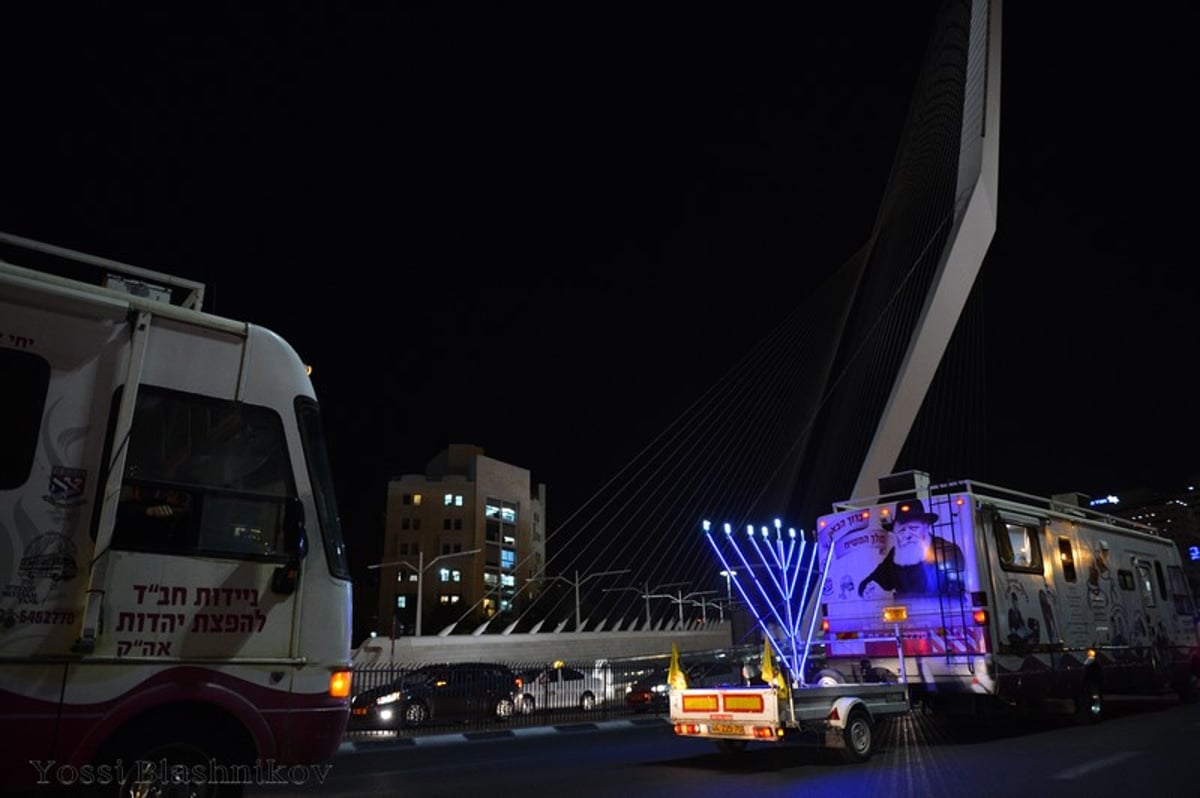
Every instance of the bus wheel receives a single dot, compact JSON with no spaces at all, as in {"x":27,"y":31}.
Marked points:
{"x":858,"y":736}
{"x":1089,"y":704}
{"x":158,"y":764}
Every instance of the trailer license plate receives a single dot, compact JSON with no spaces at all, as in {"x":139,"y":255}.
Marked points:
{"x":727,"y":728}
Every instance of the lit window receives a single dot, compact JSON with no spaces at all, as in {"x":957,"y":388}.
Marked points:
{"x":444,"y":574}
{"x":416,"y":499}
{"x":508,"y":580}
{"x":448,"y":499}
{"x":401,"y":602}
{"x":508,"y":558}
{"x":458,"y":500}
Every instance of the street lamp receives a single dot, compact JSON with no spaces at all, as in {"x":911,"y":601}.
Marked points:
{"x":728,"y":574}
{"x":577,"y":583}
{"x":420,"y":568}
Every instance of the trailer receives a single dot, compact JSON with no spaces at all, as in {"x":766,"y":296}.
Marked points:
{"x":836,"y":716}
{"x":794,"y":702}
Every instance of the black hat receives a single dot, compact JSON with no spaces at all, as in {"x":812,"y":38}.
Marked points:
{"x":913,"y":511}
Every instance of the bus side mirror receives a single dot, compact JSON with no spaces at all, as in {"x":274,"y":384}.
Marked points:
{"x":295,"y":546}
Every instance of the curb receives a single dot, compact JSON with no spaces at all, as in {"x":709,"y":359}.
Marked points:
{"x":382,"y":742}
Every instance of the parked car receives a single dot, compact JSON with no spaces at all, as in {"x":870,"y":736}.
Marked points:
{"x":559,"y":687}
{"x":465,"y":691}
{"x":650,"y":693}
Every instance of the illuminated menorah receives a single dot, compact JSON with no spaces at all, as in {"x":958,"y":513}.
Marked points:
{"x":788,"y":566}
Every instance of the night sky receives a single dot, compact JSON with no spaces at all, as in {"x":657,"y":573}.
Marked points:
{"x":546,"y":231}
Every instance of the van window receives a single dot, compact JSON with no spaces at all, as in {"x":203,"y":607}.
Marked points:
{"x":26,"y":381}
{"x":203,"y":476}
{"x":1162,"y":580}
{"x":1017,"y":545}
{"x":1067,"y":558}
{"x":1145,"y":584}
{"x":1180,"y":594}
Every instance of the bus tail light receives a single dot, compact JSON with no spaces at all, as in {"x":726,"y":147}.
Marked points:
{"x":339,"y":684}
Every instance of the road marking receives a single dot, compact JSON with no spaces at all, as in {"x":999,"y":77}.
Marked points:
{"x":1095,"y":764}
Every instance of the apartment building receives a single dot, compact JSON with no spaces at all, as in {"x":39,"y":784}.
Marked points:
{"x":461,"y":543}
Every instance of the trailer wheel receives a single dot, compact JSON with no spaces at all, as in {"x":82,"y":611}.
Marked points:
{"x":731,"y":746}
{"x":858,"y":736}
{"x":1188,"y":688}
{"x":1089,"y":704}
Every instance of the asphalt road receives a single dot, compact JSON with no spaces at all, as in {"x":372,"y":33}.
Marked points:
{"x":1146,"y":747}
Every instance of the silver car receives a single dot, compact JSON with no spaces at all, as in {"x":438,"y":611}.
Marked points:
{"x":558,"y":688}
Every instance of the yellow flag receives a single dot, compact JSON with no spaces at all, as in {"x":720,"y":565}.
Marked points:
{"x":675,"y":678}
{"x":770,"y":674}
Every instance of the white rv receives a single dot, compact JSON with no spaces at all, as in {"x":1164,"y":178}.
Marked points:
{"x":175,"y":586}
{"x":1002,"y":599}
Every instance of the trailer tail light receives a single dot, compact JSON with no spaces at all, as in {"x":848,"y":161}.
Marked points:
{"x":765,"y":733}
{"x":980,"y":617}
{"x":895,"y":614}
{"x":339,"y":684}
{"x":825,"y":625}
{"x":687,"y":728}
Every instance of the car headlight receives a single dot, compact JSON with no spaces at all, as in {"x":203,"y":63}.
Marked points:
{"x":659,"y":688}
{"x":385,"y":714}
{"x":390,"y":698}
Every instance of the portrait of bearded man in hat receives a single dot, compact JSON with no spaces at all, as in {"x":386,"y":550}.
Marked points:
{"x":919,"y":563}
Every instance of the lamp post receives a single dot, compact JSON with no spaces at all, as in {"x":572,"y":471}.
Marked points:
{"x":647,"y":595}
{"x":729,"y":574}
{"x":420,"y":568}
{"x":577,"y":583}
{"x":682,"y":599}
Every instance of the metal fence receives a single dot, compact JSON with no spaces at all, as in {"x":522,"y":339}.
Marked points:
{"x":404,"y":700}
{"x":408,"y":700}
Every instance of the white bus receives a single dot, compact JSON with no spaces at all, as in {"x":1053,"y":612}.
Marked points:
{"x":176,"y":599}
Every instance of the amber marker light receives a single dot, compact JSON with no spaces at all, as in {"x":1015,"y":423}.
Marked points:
{"x":980,"y":617}
{"x":339,"y":684}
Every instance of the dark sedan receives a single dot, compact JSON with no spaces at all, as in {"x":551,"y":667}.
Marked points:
{"x":437,"y":694}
